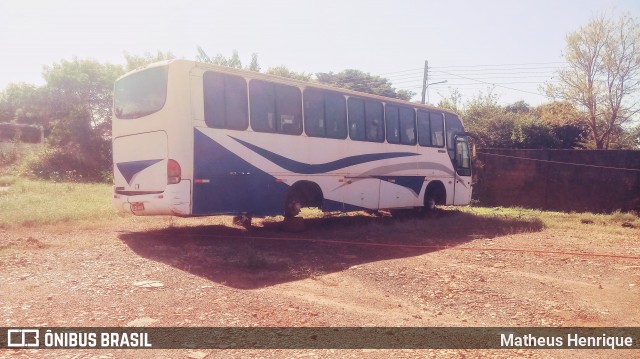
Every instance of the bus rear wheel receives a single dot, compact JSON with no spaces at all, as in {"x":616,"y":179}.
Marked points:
{"x":302,"y":194}
{"x":293,"y":205}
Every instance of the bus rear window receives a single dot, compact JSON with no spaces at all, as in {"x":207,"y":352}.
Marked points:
{"x":140,"y":94}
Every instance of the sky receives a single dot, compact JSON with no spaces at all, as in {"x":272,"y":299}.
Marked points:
{"x":508,"y":47}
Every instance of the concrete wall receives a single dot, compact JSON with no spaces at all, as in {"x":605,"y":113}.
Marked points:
{"x":580,"y":182}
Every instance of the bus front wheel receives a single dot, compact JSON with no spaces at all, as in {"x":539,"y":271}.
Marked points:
{"x":434,"y":195}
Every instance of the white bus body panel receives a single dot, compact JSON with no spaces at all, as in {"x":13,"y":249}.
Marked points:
{"x":227,"y":171}
{"x":153,"y":140}
{"x":140,"y":162}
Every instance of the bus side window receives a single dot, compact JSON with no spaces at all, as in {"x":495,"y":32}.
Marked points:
{"x":335,"y":115}
{"x":424,"y":129}
{"x":225,"y":101}
{"x":325,"y":114}
{"x":236,"y":103}
{"x":374,"y":121}
{"x":393,"y":125}
{"x":437,"y":129}
{"x":356,"y":119}
{"x":263,"y":106}
{"x":407,"y":126}
{"x":214,"y":96}
{"x":289,"y":109}
{"x":314,"y":123}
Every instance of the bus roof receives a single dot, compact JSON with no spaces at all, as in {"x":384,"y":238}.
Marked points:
{"x":285,"y":80}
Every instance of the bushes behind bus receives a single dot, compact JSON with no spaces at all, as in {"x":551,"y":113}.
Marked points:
{"x":68,"y":164}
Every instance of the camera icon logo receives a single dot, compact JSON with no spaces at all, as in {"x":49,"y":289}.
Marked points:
{"x":23,"y":338}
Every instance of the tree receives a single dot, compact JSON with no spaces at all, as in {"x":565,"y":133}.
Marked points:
{"x":202,"y":56}
{"x":602,"y":75}
{"x":23,"y":103}
{"x":453,"y":102}
{"x":137,"y":61}
{"x":79,"y":106}
{"x":517,"y":125}
{"x":284,"y":71}
{"x":81,"y":91}
{"x":559,"y":113}
{"x":480,"y":109}
{"x":634,"y":137}
{"x":518,"y":107}
{"x":234,"y":60}
{"x":219,"y":59}
{"x":253,"y":66}
{"x":364,"y":82}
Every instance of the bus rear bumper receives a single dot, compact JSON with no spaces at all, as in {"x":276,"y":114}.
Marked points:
{"x":174,"y":201}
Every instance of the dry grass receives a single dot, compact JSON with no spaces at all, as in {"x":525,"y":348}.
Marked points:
{"x":613,"y":223}
{"x":29,"y":203}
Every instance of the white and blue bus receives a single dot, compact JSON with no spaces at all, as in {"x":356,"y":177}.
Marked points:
{"x":193,"y":139}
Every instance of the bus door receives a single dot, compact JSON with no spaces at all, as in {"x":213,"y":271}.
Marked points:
{"x":462,"y":163}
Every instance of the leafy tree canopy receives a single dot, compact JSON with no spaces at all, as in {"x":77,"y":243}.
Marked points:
{"x":137,"y":61}
{"x":602,"y":76}
{"x":364,"y":82}
{"x":233,"y":61}
{"x":22,"y":103}
{"x":516,"y":125}
{"x":284,"y":71}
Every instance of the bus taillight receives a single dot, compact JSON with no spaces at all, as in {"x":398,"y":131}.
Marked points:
{"x":174,"y":172}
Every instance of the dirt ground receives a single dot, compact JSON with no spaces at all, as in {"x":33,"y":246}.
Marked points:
{"x":209,"y":272}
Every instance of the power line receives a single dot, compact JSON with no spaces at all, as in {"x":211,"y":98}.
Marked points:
{"x":490,"y":75}
{"x":492,"y":84}
{"x":522,"y":66}
{"x":498,"y":84}
{"x":397,"y":72}
{"x":412,"y":83}
{"x":480,"y":73}
{"x":563,"y":163}
{"x":498,"y":65}
{"x":529,"y":73}
{"x":523,"y":70}
{"x":499,"y":78}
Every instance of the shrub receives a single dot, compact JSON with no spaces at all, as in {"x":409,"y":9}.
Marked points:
{"x":68,"y":164}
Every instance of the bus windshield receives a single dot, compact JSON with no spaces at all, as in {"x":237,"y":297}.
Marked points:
{"x":454,"y":126}
{"x":141,"y":93}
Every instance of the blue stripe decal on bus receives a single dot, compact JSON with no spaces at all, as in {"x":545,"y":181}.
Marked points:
{"x":309,"y":169}
{"x":413,"y":183}
{"x":235,"y":185}
{"x":130,"y":169}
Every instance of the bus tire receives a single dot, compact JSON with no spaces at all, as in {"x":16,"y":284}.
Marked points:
{"x":434,"y":195}
{"x":293,"y":204}
{"x":302,"y":194}
{"x":429,"y":202}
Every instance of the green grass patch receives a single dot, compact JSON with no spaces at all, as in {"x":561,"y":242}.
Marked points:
{"x":614,"y":222}
{"x":31,"y":203}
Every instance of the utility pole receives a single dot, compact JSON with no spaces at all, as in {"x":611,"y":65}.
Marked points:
{"x":424,"y":81}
